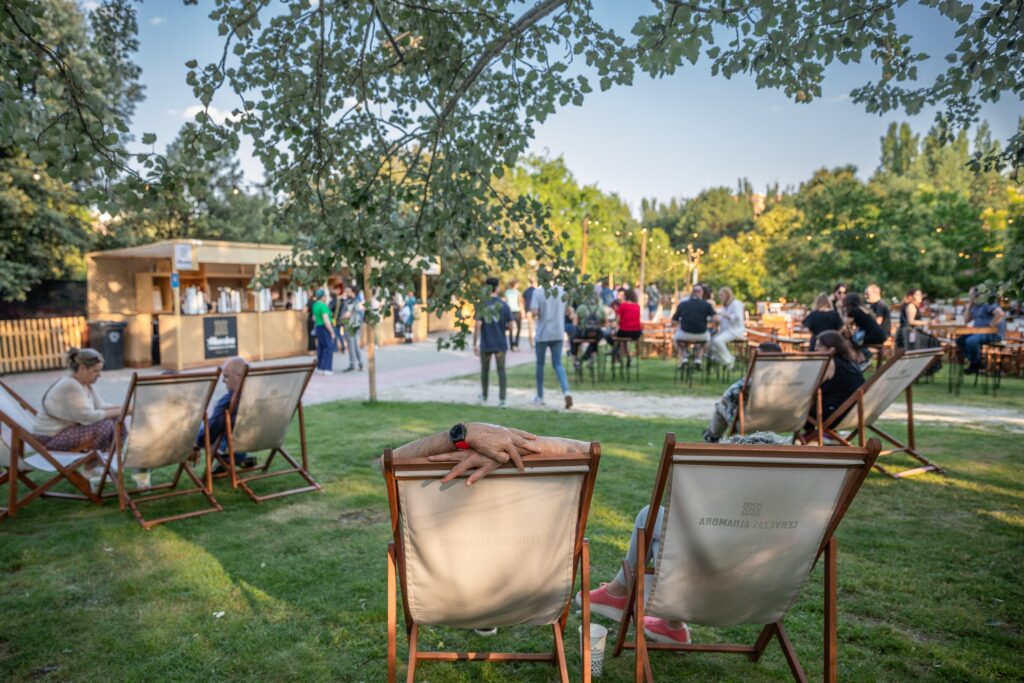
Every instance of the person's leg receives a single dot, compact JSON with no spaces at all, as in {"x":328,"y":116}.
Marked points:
{"x":972,"y":348}
{"x":720,"y":347}
{"x":618,"y":585}
{"x":353,"y":343}
{"x":698,"y":349}
{"x":539,"y":348}
{"x":556,"y":363}
{"x":339,"y":334}
{"x":499,"y":361}
{"x":485,"y":373}
{"x":323,"y":347}
{"x":518,"y":320}
{"x":720,"y":419}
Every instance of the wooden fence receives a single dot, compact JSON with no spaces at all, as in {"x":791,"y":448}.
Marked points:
{"x":38,"y":343}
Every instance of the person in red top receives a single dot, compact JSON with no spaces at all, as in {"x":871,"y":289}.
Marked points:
{"x":628,"y":319}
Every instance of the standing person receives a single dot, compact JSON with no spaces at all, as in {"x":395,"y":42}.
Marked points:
{"x":653,"y":300}
{"x":873,"y":296}
{"x":325,"y":341}
{"x":982,"y":311}
{"x":410,"y":315}
{"x":548,"y":308}
{"x":732,"y":327}
{"x":607,"y":295}
{"x":527,"y":314}
{"x":490,"y":338}
{"x":693,"y":315}
{"x":514,"y":302}
{"x":822,"y":318}
{"x":911,"y":320}
{"x":354,"y":312}
{"x":338,"y":313}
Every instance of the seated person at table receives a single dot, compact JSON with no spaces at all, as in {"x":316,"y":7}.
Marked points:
{"x":693,"y":315}
{"x":821,"y":319}
{"x":725,"y":408}
{"x":591,"y":318}
{"x":609,"y":600}
{"x":873,"y":298}
{"x":982,"y":311}
{"x":478,"y":448}
{"x":73,"y":418}
{"x":231,"y":372}
{"x":843,"y":376}
{"x":629,"y":325}
{"x":731,"y":328}
{"x":866,"y":331}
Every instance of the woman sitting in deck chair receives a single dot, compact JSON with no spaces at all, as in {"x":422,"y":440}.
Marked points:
{"x":842,"y":378}
{"x":73,"y":418}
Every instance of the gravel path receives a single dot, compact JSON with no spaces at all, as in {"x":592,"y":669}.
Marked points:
{"x":627,"y":404}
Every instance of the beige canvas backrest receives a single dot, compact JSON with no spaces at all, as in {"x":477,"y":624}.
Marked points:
{"x":12,"y":408}
{"x":266,"y":404}
{"x":887,"y":385}
{"x":743,"y":528}
{"x":781,"y":390}
{"x":498,"y":553}
{"x":167,"y":411}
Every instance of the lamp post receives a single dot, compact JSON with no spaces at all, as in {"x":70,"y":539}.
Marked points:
{"x":643,"y":263}
{"x":583,"y":251}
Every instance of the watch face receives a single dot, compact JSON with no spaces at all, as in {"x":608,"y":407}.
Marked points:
{"x":457,"y":433}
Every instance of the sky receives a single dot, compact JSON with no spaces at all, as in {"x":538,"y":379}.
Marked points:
{"x":664,"y":138}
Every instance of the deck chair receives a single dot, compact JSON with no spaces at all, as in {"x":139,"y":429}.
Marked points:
{"x":861,"y":411}
{"x":21,"y":454}
{"x":504,"y":551}
{"x":743,"y":527}
{"x":263,"y":407}
{"x":780,"y":391}
{"x":161,"y":417}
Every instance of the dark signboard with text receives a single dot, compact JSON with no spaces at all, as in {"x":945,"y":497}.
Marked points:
{"x":220,"y":337}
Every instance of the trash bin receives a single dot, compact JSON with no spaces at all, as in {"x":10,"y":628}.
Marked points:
{"x":107,"y":337}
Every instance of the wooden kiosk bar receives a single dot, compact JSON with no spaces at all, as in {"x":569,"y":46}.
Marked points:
{"x":146,"y":287}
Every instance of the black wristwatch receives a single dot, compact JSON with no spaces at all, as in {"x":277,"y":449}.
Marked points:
{"x":458,"y":436}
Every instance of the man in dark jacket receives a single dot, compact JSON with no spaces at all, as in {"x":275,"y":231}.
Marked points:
{"x":232,"y":372}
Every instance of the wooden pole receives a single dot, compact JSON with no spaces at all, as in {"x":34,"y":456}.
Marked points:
{"x":175,"y":295}
{"x":368,"y":327}
{"x":583,"y":252}
{"x":643,"y":265}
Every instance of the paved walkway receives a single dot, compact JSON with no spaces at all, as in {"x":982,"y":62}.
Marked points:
{"x":397,"y":367}
{"x":419,"y":372}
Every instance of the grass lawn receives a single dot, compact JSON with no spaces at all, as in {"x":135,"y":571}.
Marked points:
{"x":658,"y":377}
{"x":294,"y":589}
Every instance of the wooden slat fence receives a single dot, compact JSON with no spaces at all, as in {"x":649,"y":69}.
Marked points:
{"x":38,"y":343}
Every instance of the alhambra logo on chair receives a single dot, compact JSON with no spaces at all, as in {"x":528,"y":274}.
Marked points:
{"x":751,"y":510}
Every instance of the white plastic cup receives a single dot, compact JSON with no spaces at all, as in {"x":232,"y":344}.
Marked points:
{"x":598,"y":638}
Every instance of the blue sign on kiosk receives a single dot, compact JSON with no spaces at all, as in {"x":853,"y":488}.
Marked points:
{"x":174,"y":281}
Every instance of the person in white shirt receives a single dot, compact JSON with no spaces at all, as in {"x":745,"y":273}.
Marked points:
{"x":549,"y":311}
{"x":731,"y":326}
{"x":514,"y":300}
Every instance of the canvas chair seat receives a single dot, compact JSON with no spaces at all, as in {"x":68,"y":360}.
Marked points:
{"x":502,"y":552}
{"x":267,"y":400}
{"x":780,"y":391}
{"x":17,"y":418}
{"x":742,"y":528}
{"x":159,"y":421}
{"x":860,"y":412}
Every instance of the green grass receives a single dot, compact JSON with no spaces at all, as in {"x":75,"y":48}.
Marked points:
{"x":658,"y":377}
{"x":929,"y":571}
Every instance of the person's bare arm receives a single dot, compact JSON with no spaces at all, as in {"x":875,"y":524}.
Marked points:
{"x":492,"y":441}
{"x":479,"y":466}
{"x":476,"y":337}
{"x":997,"y":316}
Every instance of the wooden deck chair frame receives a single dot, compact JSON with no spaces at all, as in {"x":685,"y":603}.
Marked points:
{"x":63,"y":466}
{"x":422,"y":468}
{"x":856,"y":402}
{"x":134,"y":498}
{"x":739,"y":420}
{"x":634,"y":612}
{"x":241,"y":478}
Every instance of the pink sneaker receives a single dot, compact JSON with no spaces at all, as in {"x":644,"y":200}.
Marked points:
{"x":657,"y":630}
{"x":604,"y":603}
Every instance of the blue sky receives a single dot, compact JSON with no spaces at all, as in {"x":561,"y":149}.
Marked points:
{"x":661,"y":138}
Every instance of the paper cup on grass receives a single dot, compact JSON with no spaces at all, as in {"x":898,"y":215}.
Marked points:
{"x":598,"y":637}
